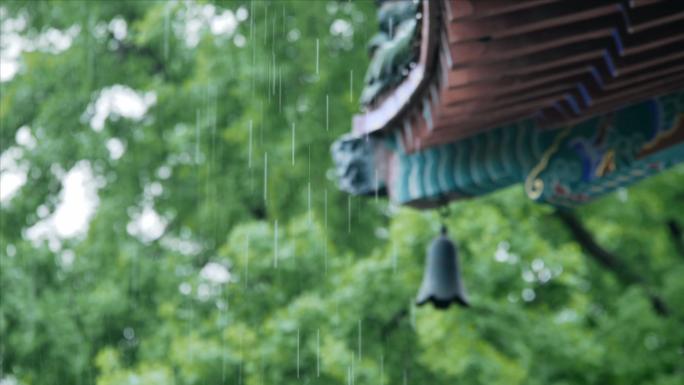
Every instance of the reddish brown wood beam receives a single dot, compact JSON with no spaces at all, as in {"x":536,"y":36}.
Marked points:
{"x":461,"y":9}
{"x":528,"y":20}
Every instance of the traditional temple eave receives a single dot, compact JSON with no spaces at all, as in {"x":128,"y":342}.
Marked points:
{"x":565,"y":167}
{"x":520,"y":90}
{"x":381,"y":116}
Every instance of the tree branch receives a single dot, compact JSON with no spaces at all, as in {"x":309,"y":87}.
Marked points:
{"x":607,"y":259}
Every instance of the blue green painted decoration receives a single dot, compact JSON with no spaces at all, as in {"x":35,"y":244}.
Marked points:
{"x":392,"y":49}
{"x":564,"y":166}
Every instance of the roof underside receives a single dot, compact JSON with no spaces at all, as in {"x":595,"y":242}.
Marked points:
{"x":488,"y":63}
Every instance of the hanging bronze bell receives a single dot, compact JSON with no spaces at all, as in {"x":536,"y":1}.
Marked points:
{"x":442,"y":282}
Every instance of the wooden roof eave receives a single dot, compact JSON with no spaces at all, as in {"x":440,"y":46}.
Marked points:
{"x":396,"y":101}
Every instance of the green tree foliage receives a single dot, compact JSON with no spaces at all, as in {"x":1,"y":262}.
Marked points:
{"x":319,"y":286}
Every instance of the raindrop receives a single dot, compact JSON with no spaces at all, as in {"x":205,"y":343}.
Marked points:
{"x":352,"y":368}
{"x":327,"y":112}
{"x":197,"y":136}
{"x":241,"y":359}
{"x":351,"y":86}
{"x":249,"y":162}
{"x":297,"y":352}
{"x":247,"y":261}
{"x":360,"y":340}
{"x":266,"y":24}
{"x":275,"y":241}
{"x":317,"y":55}
{"x":382,"y":369}
{"x":251,"y":20}
{"x":325,"y":256}
{"x":376,"y":186}
{"x":265,"y":177}
{"x":293,"y":143}
{"x":318,"y":352}
{"x":325,"y":209}
{"x":273,"y":74}
{"x":308,"y":189}
{"x":223,"y":343}
{"x":309,"y":163}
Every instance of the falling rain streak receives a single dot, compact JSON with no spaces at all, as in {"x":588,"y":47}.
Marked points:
{"x":377,"y":186}
{"x":275,"y":245}
{"x":293,"y":143}
{"x":249,"y":161}
{"x":325,"y":227}
{"x":241,"y":363}
{"x":325,"y":210}
{"x":297,"y":352}
{"x":265,"y":178}
{"x":222,"y":317}
{"x":351,"y":86}
{"x":308,"y":198}
{"x":351,"y":370}
{"x":274,"y":75}
{"x":246,"y":260}
{"x":317,"y":55}
{"x":360,"y":336}
{"x":197,"y":137}
{"x":318,"y":352}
